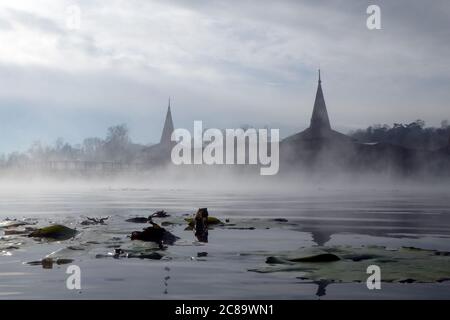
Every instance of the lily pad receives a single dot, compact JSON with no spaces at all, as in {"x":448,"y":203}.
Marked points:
{"x":12,"y":224}
{"x":151,"y":256}
{"x":55,"y":232}
{"x":155,"y":234}
{"x":47,"y":263}
{"x":401,"y":265}
{"x":211,"y":221}
{"x":138,"y":220}
{"x":94,"y":221}
{"x":140,"y":253}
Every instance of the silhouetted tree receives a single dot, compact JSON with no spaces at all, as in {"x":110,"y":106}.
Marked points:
{"x":117,"y":143}
{"x":412,"y":135}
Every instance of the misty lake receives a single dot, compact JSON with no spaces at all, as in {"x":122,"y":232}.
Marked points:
{"x":259,"y":224}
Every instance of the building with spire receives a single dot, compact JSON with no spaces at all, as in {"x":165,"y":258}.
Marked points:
{"x":319,"y":131}
{"x":320,"y":123}
{"x":322,"y":148}
{"x":160,"y":153}
{"x":318,"y":144}
{"x":168,"y":128}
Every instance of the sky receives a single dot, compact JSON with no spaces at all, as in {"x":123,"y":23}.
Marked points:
{"x":227,"y":63}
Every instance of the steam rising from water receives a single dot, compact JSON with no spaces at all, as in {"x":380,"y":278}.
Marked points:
{"x":220,"y":179}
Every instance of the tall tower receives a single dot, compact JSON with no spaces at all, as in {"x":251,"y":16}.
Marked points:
{"x":319,"y":120}
{"x":168,"y":128}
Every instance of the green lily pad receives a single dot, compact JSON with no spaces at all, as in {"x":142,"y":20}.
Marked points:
{"x":55,"y":232}
{"x":401,"y":265}
{"x":211,"y":221}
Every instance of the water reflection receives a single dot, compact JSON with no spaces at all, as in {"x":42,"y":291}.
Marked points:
{"x":201,"y":225}
{"x":321,"y":237}
{"x":321,"y":287}
{"x":166,"y":280}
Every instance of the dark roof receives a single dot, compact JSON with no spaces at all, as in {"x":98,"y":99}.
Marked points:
{"x":319,"y":119}
{"x":168,"y":128}
{"x":319,"y":128}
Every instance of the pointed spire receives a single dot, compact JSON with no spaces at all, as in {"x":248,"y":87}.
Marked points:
{"x":319,"y":119}
{"x":168,"y":127}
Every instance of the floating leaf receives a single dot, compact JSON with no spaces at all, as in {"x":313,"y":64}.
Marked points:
{"x":401,"y":265}
{"x":211,"y":221}
{"x":55,"y":232}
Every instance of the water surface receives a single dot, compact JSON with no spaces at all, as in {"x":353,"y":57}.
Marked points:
{"x":322,"y":216}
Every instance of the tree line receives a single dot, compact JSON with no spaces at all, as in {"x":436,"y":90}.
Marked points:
{"x":118,"y":147}
{"x":414,"y":135}
{"x":115,"y":147}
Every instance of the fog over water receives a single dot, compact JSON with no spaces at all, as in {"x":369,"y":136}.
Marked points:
{"x":364,"y":177}
{"x":329,"y":214}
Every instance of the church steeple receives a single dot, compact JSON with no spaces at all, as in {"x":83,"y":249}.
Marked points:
{"x":168,"y":127}
{"x":319,"y":119}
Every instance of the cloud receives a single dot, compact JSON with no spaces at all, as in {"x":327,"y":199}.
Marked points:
{"x":33,"y":21}
{"x":223,"y":63}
